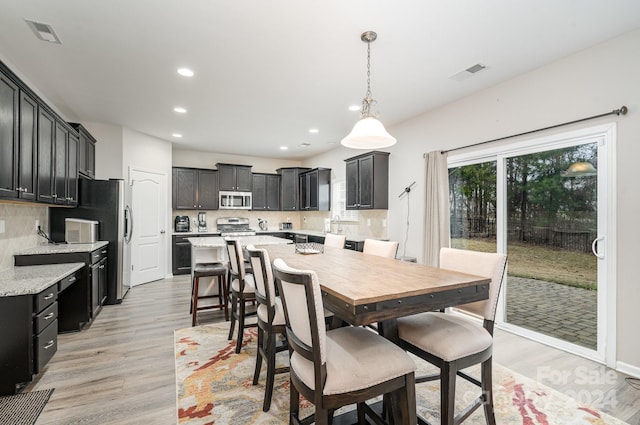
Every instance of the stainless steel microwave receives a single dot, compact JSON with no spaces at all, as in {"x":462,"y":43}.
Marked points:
{"x":235,"y":200}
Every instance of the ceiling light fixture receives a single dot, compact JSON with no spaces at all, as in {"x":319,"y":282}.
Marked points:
{"x":180,"y":110}
{"x":354,"y":108}
{"x":580,"y":169}
{"x":313,"y":130}
{"x":368,"y":133}
{"x":177,"y":135}
{"x":284,"y":148}
{"x":185,"y":72}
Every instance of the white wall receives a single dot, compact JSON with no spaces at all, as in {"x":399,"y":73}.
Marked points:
{"x":199,"y":159}
{"x":596,"y":80}
{"x":109,"y":146}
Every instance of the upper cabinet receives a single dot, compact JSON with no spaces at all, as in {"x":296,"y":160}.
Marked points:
{"x":234,"y":177}
{"x":266,"y":192}
{"x":289,"y":187}
{"x":9,"y":95}
{"x":195,"y":189}
{"x":86,"y":152}
{"x":368,"y":181}
{"x":65,"y":170}
{"x":315,"y":190}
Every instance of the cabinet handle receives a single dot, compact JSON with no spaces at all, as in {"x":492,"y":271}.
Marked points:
{"x":49,"y":345}
{"x":102,"y":266}
{"x":49,"y":316}
{"x":54,"y":196}
{"x":104,"y":252}
{"x":72,"y":279}
{"x":194,"y":206}
{"x":199,"y":206}
{"x":96,"y":256}
{"x":48,"y":297}
{"x":348,"y":246}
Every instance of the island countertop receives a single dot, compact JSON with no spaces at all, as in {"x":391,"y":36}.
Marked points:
{"x":29,"y":280}
{"x":63,"y":248}
{"x":219,"y":242}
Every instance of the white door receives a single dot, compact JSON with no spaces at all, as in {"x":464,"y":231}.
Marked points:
{"x":148,"y":240}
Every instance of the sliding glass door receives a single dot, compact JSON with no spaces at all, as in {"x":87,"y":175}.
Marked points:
{"x":544,"y":204}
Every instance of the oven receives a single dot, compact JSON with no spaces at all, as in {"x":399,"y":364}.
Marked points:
{"x":235,"y":200}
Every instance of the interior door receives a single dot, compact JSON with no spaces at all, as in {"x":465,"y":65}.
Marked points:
{"x":148,"y":238}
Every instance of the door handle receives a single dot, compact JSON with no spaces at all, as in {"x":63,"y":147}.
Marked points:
{"x":162,"y":232}
{"x":594,"y":247}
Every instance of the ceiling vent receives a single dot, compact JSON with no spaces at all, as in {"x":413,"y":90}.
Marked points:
{"x":44,"y":32}
{"x":304,"y":145}
{"x":463,"y":75}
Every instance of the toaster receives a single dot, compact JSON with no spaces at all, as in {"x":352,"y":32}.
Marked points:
{"x":77,"y":230}
{"x":182,"y":223}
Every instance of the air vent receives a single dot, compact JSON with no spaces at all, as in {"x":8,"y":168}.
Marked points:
{"x":463,"y":75}
{"x":304,"y":145}
{"x":44,"y":32}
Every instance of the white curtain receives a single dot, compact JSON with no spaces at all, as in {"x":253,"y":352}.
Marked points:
{"x":436,"y":211}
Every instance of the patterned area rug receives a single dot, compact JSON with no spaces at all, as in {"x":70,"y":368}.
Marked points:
{"x":23,"y":409}
{"x":214,"y":385}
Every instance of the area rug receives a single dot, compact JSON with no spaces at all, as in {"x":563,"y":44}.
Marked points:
{"x":23,"y":409}
{"x":214,"y":386}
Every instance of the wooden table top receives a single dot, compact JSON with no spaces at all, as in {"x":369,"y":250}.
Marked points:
{"x":366,"y":285}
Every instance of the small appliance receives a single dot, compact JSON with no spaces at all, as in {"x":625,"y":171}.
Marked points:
{"x":235,"y":200}
{"x":182,"y":223}
{"x":263,"y":225}
{"x":234,"y":226}
{"x":202,"y":221}
{"x":77,"y":230}
{"x":286,"y":226}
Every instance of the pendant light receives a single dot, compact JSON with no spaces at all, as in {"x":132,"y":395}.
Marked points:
{"x":580,"y":169}
{"x":368,"y":133}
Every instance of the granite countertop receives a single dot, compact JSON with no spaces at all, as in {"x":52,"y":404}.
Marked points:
{"x":218,"y":242}
{"x":29,"y":280}
{"x":64,"y":248}
{"x":353,"y":238}
{"x":196,"y":233}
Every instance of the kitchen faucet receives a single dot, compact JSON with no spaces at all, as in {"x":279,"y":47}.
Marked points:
{"x":336,"y":219}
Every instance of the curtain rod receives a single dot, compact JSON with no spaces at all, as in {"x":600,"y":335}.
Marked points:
{"x":622,"y":111}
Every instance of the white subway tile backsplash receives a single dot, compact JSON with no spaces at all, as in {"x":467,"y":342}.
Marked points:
{"x":19,"y":229}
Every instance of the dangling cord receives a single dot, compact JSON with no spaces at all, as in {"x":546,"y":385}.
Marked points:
{"x":406,"y":235}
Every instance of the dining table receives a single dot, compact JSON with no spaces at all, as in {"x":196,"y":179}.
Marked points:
{"x":363,"y":289}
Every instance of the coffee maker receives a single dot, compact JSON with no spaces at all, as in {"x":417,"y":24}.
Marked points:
{"x":202,"y":221}
{"x":182,"y":223}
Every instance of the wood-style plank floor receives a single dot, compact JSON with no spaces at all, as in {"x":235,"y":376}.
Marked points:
{"x":121,"y":369}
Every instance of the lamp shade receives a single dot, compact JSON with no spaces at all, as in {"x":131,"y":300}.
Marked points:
{"x":368,"y":133}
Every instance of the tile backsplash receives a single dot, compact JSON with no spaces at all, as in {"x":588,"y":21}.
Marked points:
{"x":20,"y":229}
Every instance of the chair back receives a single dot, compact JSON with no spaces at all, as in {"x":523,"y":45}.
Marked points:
{"x":337,"y":241}
{"x":234,"y":249}
{"x":262,"y":276}
{"x":304,"y":313}
{"x":482,"y":264}
{"x":386,"y":249}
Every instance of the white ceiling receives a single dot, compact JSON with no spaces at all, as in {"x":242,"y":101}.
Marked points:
{"x":266,"y":71}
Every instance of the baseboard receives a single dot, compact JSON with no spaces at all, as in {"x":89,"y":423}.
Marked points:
{"x":628,"y":369}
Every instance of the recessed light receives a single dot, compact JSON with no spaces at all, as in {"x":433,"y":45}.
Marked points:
{"x":354,"y":107}
{"x":284,"y":148}
{"x":185,"y":72}
{"x":180,"y":110}
{"x":177,"y":135}
{"x":313,"y":130}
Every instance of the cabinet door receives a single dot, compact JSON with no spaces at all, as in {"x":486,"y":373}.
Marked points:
{"x":95,"y":289}
{"x":103,"y":281}
{"x":289,"y":192}
{"x":312,"y":179}
{"x":82,"y":153}
{"x":60,"y":164}
{"x":8,"y":138}
{"x":303,"y":186}
{"x":28,"y":147}
{"x":352,"y":184}
{"x":366,"y":183}
{"x":243,"y":179}
{"x":259,"y":192}
{"x":227,"y":177}
{"x":46,"y":134}
{"x":184,"y":188}
{"x":208,"y":189}
{"x":91,"y":159}
{"x":181,"y":255}
{"x":272,"y":190}
{"x":72,"y":169}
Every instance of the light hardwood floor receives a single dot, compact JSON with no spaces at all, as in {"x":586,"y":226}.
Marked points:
{"x":121,"y":369}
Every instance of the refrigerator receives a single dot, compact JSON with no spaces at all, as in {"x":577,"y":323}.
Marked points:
{"x":104,"y":202}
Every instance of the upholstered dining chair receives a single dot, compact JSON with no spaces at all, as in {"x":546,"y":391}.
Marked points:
{"x":337,"y":241}
{"x":270,"y":321}
{"x":242,"y":290}
{"x":453,"y":341}
{"x":335,"y":368}
{"x":386,"y":249}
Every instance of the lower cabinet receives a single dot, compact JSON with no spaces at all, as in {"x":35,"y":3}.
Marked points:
{"x":98,"y":273}
{"x":181,"y":255}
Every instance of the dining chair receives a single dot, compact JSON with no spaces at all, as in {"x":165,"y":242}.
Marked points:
{"x":337,"y":241}
{"x":454,"y":341}
{"x":339,"y":367}
{"x":242,"y":290}
{"x":271,"y":321}
{"x":386,"y":249}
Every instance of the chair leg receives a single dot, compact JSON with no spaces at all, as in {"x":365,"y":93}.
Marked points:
{"x":270,"y":350}
{"x":241,"y":311}
{"x":447,"y":393}
{"x":194,"y":301}
{"x":322,"y":416}
{"x":256,"y":373}
{"x":294,"y":403}
{"x":487,"y":390}
{"x":234,"y":302}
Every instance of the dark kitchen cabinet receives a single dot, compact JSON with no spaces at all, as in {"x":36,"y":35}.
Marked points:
{"x":368,"y":181}
{"x":28,"y":148}
{"x":181,"y":254}
{"x":98,"y":276}
{"x":315,"y":190}
{"x":65,"y":171}
{"x":289,"y":187}
{"x":9,"y":119}
{"x":195,"y":188}
{"x":236,"y":178}
{"x":266,"y":192}
{"x":86,"y":152}
{"x":46,"y":134}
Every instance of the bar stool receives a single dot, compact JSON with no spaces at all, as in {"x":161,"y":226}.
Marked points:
{"x":218,"y":270}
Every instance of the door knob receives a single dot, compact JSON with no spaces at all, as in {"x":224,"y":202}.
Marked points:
{"x":162,"y":232}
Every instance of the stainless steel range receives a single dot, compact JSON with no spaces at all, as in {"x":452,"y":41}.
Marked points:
{"x":234,"y":226}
